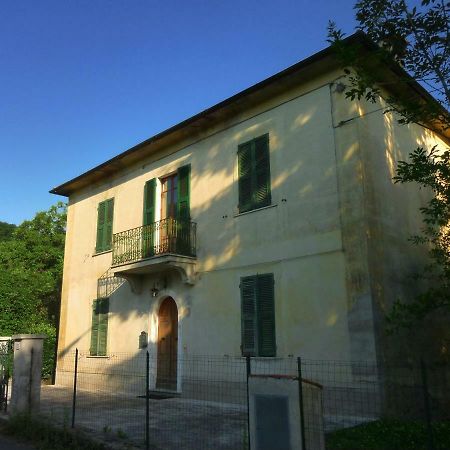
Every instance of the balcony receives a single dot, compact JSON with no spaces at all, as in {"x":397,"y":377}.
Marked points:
{"x":167,"y":244}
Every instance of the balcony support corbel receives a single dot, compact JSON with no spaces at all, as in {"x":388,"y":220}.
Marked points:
{"x":187,"y":273}
{"x":134,"y":280}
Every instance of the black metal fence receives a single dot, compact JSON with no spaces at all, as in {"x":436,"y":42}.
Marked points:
{"x":6,"y":365}
{"x":344,"y":405}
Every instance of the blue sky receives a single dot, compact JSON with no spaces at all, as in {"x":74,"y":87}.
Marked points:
{"x":82,"y":81}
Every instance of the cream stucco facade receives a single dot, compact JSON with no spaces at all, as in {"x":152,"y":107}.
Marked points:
{"x":334,"y":235}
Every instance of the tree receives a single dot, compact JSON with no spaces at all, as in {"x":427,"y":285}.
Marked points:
{"x":31,"y":264}
{"x":413,"y":41}
{"x":6,"y":230}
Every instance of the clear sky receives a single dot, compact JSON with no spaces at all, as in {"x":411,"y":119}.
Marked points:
{"x":81,"y":81}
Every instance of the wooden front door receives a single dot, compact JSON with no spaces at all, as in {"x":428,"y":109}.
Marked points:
{"x":167,"y":345}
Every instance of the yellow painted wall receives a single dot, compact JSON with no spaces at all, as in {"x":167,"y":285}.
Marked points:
{"x":331,"y":165}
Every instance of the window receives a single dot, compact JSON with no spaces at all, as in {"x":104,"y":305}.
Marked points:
{"x":258,"y":315}
{"x":104,"y":225}
{"x":169,"y":196}
{"x":172,"y":234}
{"x":254,"y":174}
{"x":99,"y":330}
{"x":175,"y":196}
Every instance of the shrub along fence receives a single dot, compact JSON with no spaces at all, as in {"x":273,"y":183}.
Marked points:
{"x":202,"y":402}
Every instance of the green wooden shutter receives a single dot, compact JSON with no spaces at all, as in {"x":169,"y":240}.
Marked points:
{"x":108,"y":228}
{"x":183,"y":207}
{"x":245,"y":176}
{"x":94,"y":329}
{"x":99,"y":328}
{"x":148,"y":233}
{"x":102,"y":326}
{"x":248,"y":316}
{"x":149,"y":201}
{"x":266,"y":315}
{"x":183,"y":237}
{"x":261,"y":174}
{"x":101,"y":218}
{"x":104,"y":225}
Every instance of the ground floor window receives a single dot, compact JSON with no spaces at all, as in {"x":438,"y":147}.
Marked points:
{"x":99,"y":329}
{"x":258,"y":315}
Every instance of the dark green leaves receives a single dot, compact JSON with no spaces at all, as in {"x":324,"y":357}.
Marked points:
{"x":415,"y":37}
{"x":31,"y":264}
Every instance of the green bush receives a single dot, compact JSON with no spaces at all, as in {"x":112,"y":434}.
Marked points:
{"x":389,"y":435}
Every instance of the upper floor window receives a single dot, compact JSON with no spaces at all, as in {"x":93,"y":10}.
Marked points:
{"x":169,"y":196}
{"x":254,"y":174}
{"x":175,"y":196}
{"x":167,"y":229}
{"x":104,"y":225}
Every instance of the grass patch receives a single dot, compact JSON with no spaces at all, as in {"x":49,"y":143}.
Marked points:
{"x":45,"y":436}
{"x":389,"y":435}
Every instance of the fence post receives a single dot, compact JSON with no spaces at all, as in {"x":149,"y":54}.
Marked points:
{"x":427,"y":405}
{"x":27,"y":369}
{"x":300,"y":401}
{"x":30,"y":384}
{"x":249,"y":371}
{"x":74,"y":398}
{"x":147,"y":402}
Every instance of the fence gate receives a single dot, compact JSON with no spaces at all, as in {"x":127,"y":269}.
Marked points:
{"x":6,"y":364}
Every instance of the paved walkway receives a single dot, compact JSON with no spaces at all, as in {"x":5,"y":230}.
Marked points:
{"x":118,"y":419}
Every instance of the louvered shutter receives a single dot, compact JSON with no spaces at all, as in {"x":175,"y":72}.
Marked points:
{"x":183,"y":243}
{"x":149,"y":201}
{"x":245,"y":176}
{"x":183,"y":207}
{"x":266,"y":315}
{"x":148,"y":233}
{"x":101,"y":218}
{"x":248,"y":316}
{"x":94,"y":329}
{"x":108,"y":228}
{"x":102,"y":326}
{"x":261,"y":192}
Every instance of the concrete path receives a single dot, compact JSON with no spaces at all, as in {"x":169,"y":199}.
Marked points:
{"x":7,"y":443}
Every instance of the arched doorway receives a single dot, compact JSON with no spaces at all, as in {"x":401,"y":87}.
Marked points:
{"x":167,"y":345}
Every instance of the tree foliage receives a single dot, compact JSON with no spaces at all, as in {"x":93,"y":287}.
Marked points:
{"x":413,"y":41}
{"x":6,"y":230}
{"x":31,"y":262}
{"x":416,"y":38}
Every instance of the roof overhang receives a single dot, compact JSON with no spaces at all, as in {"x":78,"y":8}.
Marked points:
{"x":304,"y":70}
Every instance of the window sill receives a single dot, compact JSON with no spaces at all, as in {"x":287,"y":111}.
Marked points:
{"x":98,"y":357}
{"x":255,"y":210}
{"x":101,"y":253}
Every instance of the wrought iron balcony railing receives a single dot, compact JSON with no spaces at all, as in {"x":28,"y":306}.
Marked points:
{"x":174,"y":236}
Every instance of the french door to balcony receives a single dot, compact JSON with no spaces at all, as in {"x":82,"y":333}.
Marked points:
{"x":169,"y":212}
